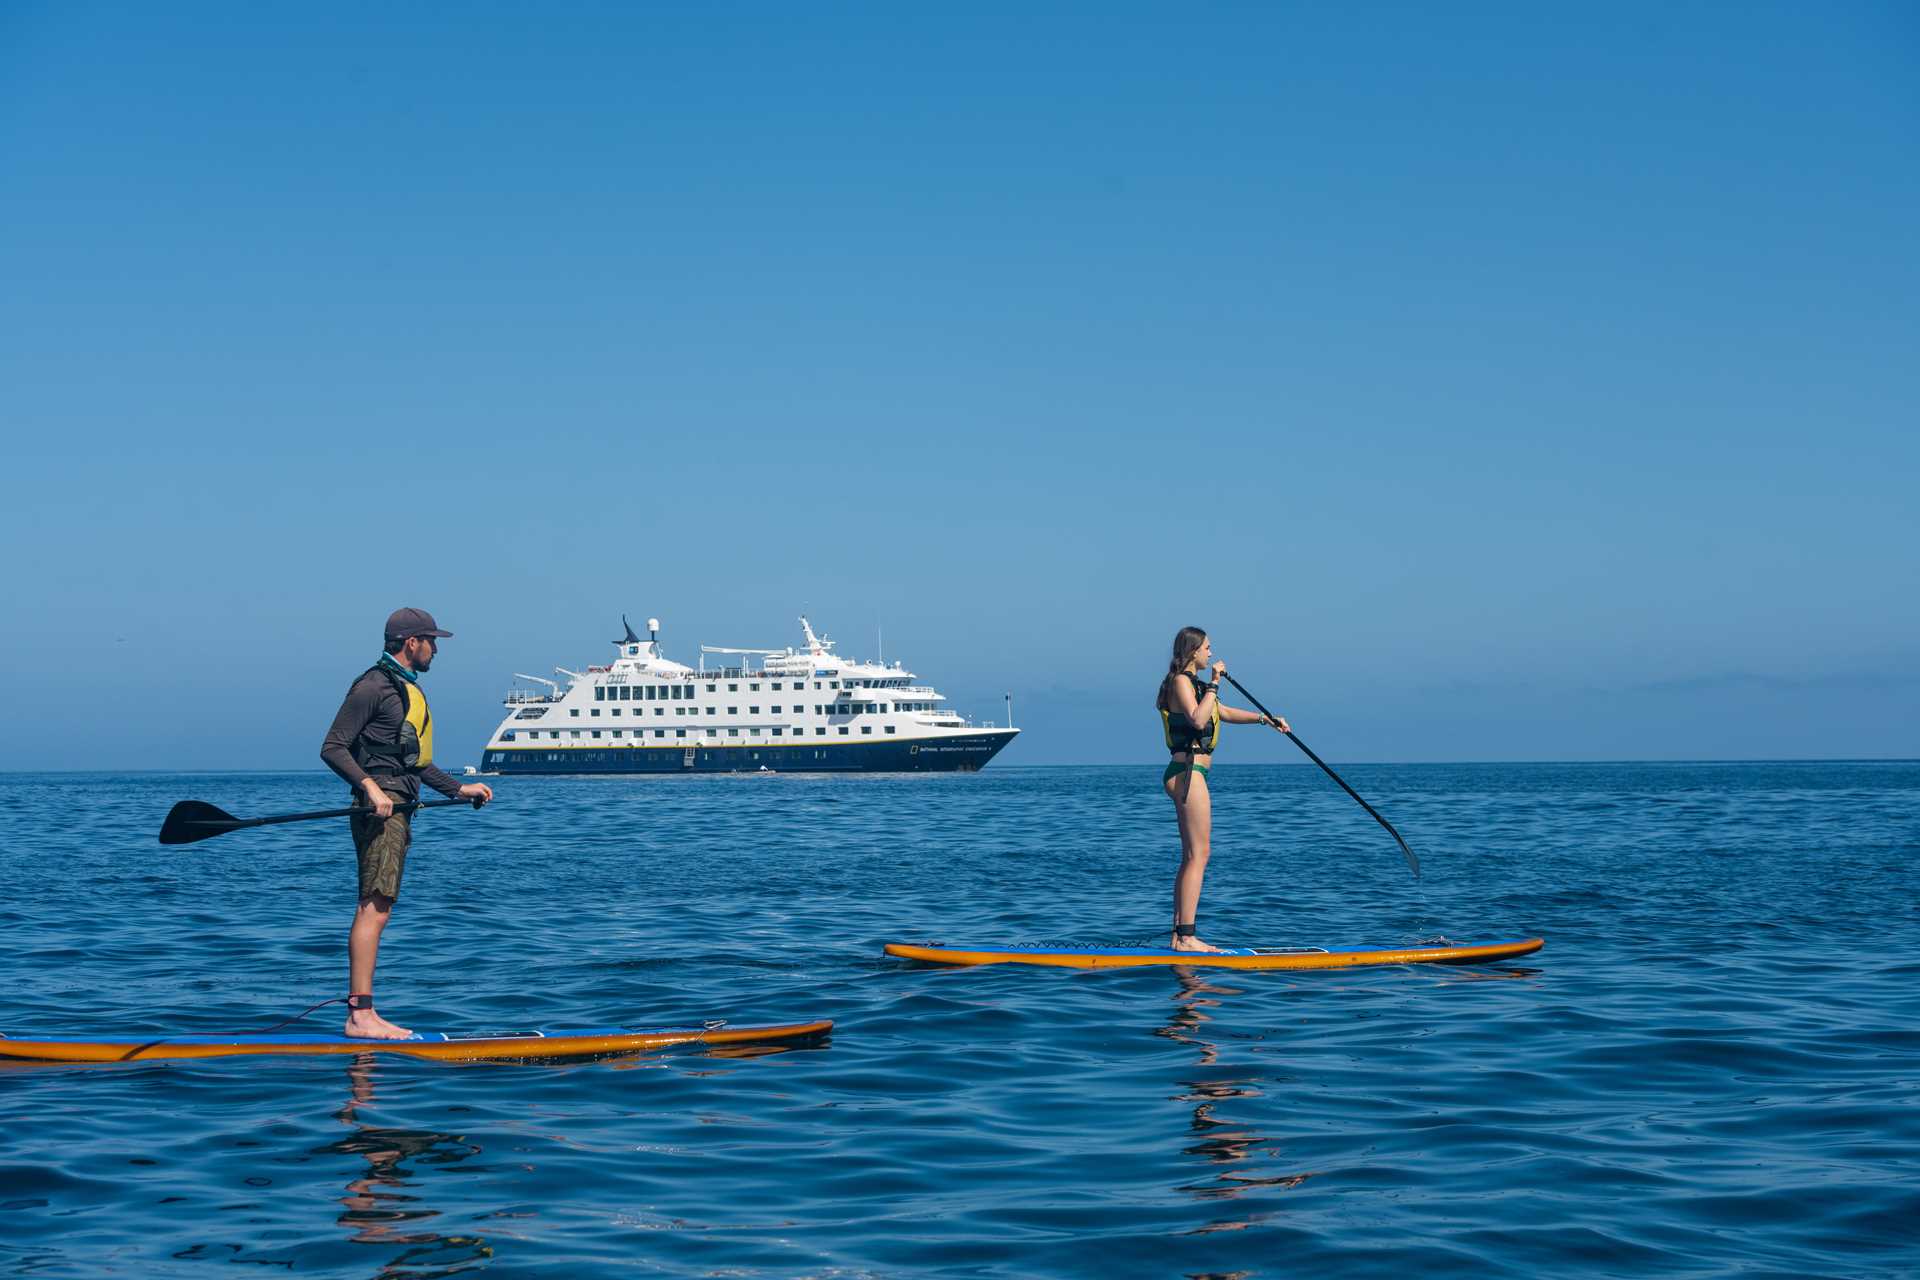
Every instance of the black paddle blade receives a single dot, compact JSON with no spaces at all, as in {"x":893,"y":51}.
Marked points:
{"x":192,"y":820}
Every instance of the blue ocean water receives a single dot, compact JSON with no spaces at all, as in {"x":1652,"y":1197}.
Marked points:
{"x":1712,"y":1069}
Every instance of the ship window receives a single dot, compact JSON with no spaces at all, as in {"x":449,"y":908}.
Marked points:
{"x":776,"y":686}
{"x":713,"y":733}
{"x":843,"y":731}
{"x":711,"y":710}
{"x":574,"y":712}
{"x":616,"y":711}
{"x":754,"y":733}
{"x":679,"y":733}
{"x":866,"y":728}
{"x":599,"y":694}
{"x":507,"y":736}
{"x":889,"y":728}
{"x":754,"y":687}
{"x":659,"y":733}
{"x":660,"y":711}
{"x":753,"y":711}
{"x":733,"y":733}
{"x":733,"y":688}
{"x":710,"y":688}
{"x":776,"y":709}
{"x":819,"y":733}
{"x":616,"y":733}
{"x":733,"y":711}
{"x":596,"y":733}
{"x":776,"y":731}
{"x":596,"y":711}
{"x":576,"y":733}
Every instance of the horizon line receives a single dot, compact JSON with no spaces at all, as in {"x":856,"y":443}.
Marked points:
{"x":1262,"y":764}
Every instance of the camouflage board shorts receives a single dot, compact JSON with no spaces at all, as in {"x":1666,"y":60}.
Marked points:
{"x":381,"y":844}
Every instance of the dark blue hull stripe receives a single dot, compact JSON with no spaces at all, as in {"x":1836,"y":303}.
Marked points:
{"x":961,"y":752}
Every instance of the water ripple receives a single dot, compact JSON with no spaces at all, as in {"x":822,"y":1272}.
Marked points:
{"x":1711,"y":1070}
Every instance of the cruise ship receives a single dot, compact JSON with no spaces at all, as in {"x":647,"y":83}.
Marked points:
{"x":794,"y":710}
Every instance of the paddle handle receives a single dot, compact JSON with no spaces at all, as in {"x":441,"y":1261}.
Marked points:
{"x":1412,"y":861}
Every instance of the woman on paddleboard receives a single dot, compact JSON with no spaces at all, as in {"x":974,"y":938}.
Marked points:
{"x":1191,"y":713}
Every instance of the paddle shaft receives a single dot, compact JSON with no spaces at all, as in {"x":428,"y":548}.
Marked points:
{"x":1412,"y":861}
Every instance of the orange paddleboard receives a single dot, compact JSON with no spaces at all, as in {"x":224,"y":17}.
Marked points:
{"x":512,"y":1045}
{"x":1228,"y":958}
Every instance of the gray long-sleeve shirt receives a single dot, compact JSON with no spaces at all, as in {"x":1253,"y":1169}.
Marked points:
{"x":373,"y":703}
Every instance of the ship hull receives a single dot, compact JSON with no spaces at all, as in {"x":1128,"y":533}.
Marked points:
{"x":955,"y":753}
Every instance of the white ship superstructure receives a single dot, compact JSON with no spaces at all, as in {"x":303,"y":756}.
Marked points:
{"x":795,"y":710}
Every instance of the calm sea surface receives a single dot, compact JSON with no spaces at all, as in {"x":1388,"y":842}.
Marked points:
{"x":1712,"y":1069}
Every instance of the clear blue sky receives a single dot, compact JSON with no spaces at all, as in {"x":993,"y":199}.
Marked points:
{"x":1494,"y":382}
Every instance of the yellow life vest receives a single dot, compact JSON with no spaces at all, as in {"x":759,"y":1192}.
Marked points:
{"x":416,"y":735}
{"x":411,"y":747}
{"x":1182,"y":737}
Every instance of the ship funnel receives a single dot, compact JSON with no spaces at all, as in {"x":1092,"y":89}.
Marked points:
{"x":630,"y":638}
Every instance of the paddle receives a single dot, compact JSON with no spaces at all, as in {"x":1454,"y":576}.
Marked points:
{"x":192,"y":820}
{"x":1411,"y":860}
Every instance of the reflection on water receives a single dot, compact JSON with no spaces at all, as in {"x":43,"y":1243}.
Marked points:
{"x":382,"y":1205}
{"x":1223,"y":1141}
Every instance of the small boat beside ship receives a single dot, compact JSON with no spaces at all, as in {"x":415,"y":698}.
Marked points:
{"x":794,"y":710}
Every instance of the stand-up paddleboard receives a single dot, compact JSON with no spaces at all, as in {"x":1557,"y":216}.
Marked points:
{"x":511,"y":1045}
{"x":1227,"y":958}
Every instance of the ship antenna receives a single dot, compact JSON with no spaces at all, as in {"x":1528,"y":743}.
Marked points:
{"x":631,"y":638}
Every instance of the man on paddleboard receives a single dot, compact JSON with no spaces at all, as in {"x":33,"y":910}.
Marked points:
{"x":381,"y":742}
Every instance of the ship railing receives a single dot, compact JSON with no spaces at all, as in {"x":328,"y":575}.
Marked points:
{"x":516,"y":697}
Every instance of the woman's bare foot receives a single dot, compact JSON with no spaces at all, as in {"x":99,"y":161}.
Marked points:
{"x":1192,"y":944}
{"x":365,"y":1024}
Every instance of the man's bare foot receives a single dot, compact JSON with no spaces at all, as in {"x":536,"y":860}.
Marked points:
{"x":1192,"y":944}
{"x":365,"y":1024}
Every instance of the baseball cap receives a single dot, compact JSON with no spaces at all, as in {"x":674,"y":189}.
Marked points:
{"x":402,"y":623}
